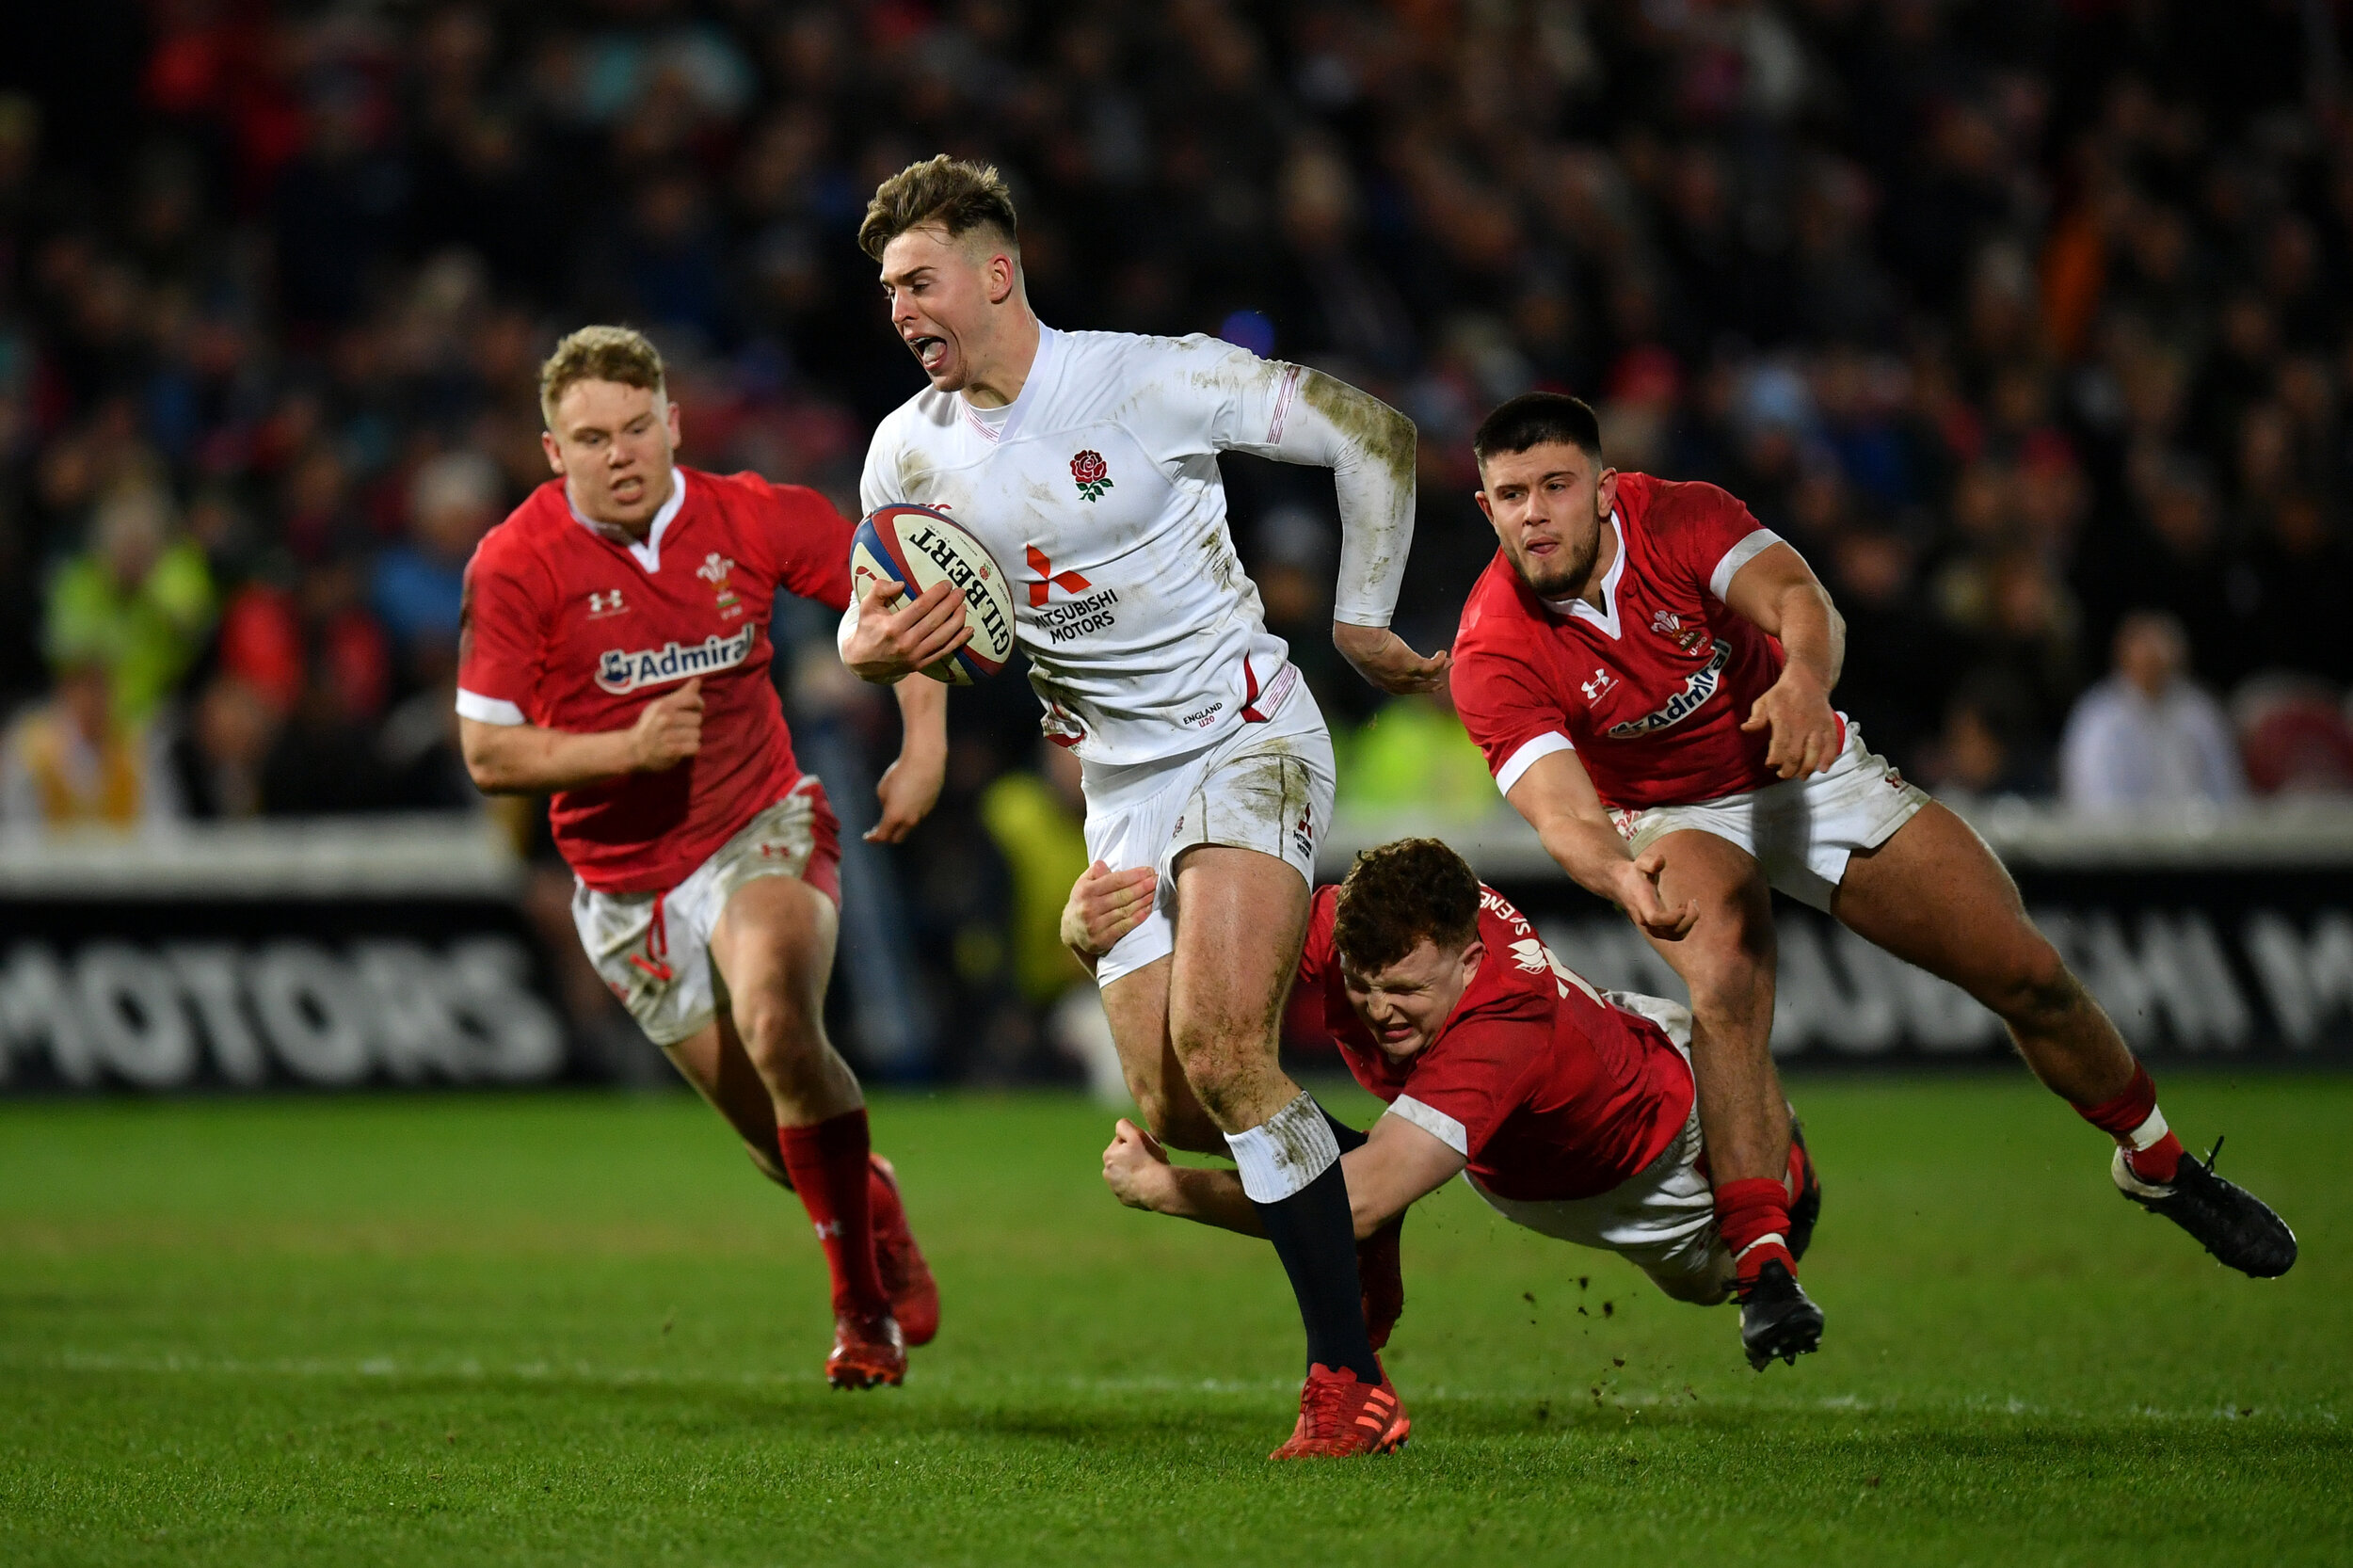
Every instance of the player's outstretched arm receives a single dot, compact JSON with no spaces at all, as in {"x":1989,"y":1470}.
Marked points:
{"x":1369,"y":447}
{"x":1780,"y":593}
{"x":1397,"y":1165}
{"x":1556,"y":797}
{"x":910,"y":786}
{"x":523,"y":758}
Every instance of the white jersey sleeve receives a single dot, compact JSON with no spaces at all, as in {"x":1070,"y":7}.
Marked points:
{"x":1293,"y":414}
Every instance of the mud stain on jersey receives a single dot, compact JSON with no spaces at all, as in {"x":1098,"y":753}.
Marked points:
{"x":1375,"y":428}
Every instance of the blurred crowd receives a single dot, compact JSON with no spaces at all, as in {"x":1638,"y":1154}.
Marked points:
{"x":2026,"y":321}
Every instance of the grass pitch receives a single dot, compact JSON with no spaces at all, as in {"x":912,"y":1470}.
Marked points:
{"x":579,"y":1330}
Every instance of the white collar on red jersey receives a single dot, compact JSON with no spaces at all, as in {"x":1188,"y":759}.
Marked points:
{"x":1607,"y":620}
{"x":647,"y":550}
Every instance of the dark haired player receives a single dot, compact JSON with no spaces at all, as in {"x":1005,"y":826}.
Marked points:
{"x":1087,"y":463}
{"x":616,"y":655}
{"x":1648,"y":674}
{"x":1571,"y":1110}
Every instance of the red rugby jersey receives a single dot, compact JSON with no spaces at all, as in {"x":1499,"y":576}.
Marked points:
{"x":1651,"y":693}
{"x":1547,"y":1089}
{"x":566,"y":630}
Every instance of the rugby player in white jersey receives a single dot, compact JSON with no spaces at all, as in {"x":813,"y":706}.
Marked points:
{"x":1087,"y":463}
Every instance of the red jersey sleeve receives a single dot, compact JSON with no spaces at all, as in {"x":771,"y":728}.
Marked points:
{"x":1705,"y":533}
{"x":1504,"y":701}
{"x":502,"y":643}
{"x":1464,"y":1087}
{"x":810,"y":541}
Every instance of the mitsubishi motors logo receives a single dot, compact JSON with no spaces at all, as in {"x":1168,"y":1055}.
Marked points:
{"x":1068,"y":581}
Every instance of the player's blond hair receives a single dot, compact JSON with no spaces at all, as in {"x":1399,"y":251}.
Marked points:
{"x":951,"y":193}
{"x":621,"y":354}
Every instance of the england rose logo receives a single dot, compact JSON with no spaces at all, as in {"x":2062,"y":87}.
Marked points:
{"x":1091,"y":475}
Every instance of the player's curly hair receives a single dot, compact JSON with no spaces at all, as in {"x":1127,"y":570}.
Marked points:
{"x":958,"y":195}
{"x":1397,"y":895}
{"x":621,"y":354}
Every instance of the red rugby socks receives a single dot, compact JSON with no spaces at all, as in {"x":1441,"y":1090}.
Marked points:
{"x":2133,"y":1119}
{"x":1753,"y":1216}
{"x":829,"y":1169}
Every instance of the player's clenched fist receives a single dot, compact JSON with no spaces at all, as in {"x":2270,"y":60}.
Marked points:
{"x":1135,"y":1167}
{"x":886,"y":645}
{"x":669,"y":729}
{"x":1105,"y":905}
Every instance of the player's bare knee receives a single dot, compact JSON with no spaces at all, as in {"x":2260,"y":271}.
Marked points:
{"x":778,"y":1035}
{"x":2035,"y":991}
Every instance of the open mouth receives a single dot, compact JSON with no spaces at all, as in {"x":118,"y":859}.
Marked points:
{"x":930,"y":352}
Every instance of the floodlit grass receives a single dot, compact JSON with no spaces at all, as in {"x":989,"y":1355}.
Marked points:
{"x":575,"y":1330}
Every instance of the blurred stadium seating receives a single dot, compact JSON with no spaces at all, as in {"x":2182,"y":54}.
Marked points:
{"x":2016,"y":317}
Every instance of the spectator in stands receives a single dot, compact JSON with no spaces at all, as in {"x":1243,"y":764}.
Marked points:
{"x":1414,"y":757}
{"x":420,"y":584}
{"x":138,"y":602}
{"x":1038,"y":821}
{"x":73,"y":762}
{"x":2147,"y":737}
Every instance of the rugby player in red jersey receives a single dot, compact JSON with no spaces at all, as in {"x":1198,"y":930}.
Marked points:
{"x":615,"y":654}
{"x":1648,"y":674}
{"x":1571,"y":1109}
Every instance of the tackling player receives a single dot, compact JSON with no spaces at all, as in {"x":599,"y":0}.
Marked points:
{"x":615,"y":654}
{"x":1570,"y":1109}
{"x":1648,"y":674}
{"x":1087,"y":463}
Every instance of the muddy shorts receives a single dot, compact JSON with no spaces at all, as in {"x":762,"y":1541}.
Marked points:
{"x":653,"y":950}
{"x":1266,"y":786}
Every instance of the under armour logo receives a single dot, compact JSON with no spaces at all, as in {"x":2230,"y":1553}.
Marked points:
{"x":606,"y":605}
{"x":1068,"y":581}
{"x":1601,"y":682}
{"x":826,"y":1229}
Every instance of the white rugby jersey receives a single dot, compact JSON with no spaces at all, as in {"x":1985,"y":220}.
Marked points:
{"x":1098,"y":492}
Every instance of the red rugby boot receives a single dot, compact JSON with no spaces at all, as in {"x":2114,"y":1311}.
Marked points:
{"x":866,"y":1351}
{"x":1382,"y":1277}
{"x":906,"y":1278}
{"x":1340,"y":1418}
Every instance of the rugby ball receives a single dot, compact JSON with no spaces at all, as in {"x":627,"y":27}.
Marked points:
{"x":914,"y":545}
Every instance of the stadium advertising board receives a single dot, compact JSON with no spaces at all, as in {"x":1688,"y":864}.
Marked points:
{"x":2202,"y":964}
{"x":327,"y":993}
{"x":327,"y":957}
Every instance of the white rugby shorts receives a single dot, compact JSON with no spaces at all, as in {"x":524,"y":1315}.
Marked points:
{"x":1266,"y":786}
{"x":1662,"y":1219}
{"x":653,"y":950}
{"x":1801,"y":831}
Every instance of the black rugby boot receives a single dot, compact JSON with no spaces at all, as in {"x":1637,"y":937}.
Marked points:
{"x":2226,"y":1219}
{"x":1777,"y":1318}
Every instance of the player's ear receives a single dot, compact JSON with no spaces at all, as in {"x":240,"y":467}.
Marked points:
{"x":670,"y":419}
{"x":555,"y":453}
{"x":1605,"y":493}
{"x":1471,"y":958}
{"x":1487,"y":507}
